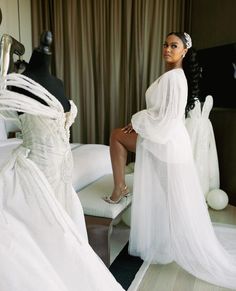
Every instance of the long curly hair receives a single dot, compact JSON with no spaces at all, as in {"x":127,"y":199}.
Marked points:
{"x":192,"y":72}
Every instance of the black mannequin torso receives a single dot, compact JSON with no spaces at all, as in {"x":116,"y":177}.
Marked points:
{"x":38,"y":70}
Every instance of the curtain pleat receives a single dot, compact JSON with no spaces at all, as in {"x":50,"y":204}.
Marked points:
{"x":107,"y":52}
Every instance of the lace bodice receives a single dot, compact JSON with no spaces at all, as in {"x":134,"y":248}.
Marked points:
{"x":45,"y":129}
{"x":48,"y":142}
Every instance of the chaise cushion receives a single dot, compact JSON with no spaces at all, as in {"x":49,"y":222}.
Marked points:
{"x":94,"y":205}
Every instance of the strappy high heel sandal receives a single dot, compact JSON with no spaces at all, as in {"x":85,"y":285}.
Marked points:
{"x":124,"y":193}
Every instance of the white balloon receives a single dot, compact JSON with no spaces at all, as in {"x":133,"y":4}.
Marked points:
{"x":217,"y":199}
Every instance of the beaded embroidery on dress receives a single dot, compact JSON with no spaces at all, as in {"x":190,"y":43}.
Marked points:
{"x":43,"y":243}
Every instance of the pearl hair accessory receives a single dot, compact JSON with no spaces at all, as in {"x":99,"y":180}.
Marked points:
{"x":188,"y":40}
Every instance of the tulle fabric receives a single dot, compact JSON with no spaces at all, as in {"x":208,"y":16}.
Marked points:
{"x":21,"y":258}
{"x":43,"y":239}
{"x":169,"y":215}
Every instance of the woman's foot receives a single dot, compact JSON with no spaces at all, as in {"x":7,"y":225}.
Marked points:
{"x":117,"y":195}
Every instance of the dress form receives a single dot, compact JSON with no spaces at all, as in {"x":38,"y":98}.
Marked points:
{"x":38,"y":70}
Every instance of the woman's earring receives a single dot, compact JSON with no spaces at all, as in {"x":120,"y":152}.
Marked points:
{"x":183,"y":56}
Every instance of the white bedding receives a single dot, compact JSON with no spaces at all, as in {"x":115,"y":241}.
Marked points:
{"x":91,"y":161}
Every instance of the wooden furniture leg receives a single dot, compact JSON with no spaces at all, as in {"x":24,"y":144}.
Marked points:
{"x":99,"y":231}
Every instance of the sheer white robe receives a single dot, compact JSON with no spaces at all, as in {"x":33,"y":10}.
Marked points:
{"x":169,"y":215}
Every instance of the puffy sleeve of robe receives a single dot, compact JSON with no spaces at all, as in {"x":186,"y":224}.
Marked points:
{"x":161,"y":126}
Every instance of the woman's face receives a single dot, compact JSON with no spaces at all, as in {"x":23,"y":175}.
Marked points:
{"x":173,"y":51}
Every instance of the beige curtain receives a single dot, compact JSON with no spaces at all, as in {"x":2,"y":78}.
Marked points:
{"x":107,"y":52}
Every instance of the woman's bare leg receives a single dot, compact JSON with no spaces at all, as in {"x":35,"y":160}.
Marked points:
{"x":120,"y":144}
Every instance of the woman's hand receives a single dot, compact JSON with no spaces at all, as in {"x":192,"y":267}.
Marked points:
{"x":128,"y":128}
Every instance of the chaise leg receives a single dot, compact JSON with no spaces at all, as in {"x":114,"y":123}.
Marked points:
{"x":99,"y":231}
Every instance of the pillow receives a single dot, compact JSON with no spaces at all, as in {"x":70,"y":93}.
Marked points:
{"x":91,"y":162}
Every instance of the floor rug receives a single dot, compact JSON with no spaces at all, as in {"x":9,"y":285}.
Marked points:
{"x":125,"y":267}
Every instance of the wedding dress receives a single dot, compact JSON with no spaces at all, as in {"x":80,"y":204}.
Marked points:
{"x":202,"y":138}
{"x":43,"y":239}
{"x":169,"y":215}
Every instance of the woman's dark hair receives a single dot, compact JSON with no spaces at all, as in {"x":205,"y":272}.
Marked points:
{"x":192,"y":72}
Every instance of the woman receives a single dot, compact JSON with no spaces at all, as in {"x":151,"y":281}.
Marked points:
{"x":43,"y":239}
{"x":169,"y":217}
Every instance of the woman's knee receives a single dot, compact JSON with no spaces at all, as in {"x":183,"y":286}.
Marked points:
{"x":128,"y":140}
{"x":116,"y":134}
